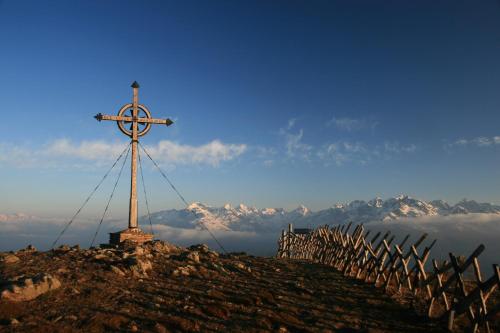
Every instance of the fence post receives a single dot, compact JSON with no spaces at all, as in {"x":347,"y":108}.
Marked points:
{"x":285,"y":243}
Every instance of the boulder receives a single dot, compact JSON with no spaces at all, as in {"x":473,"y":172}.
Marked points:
{"x":117,"y":270}
{"x":203,"y":248}
{"x":10,"y":259}
{"x":28,"y":249}
{"x":218,"y":268}
{"x":193,"y":256}
{"x":238,"y":266}
{"x":139,"y":267}
{"x":100,"y":256}
{"x":162,"y":247}
{"x":106,"y":256}
{"x":190,"y":256}
{"x":63,"y":249}
{"x":184,"y":270}
{"x":26,"y":289}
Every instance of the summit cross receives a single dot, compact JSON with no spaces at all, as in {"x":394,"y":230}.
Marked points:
{"x":140,"y":120}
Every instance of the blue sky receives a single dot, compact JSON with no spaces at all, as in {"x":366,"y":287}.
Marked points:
{"x":276,"y":103}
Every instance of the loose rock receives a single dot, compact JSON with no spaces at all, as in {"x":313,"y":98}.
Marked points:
{"x":29,"y":288}
{"x":63,"y":249}
{"x":184,"y":270}
{"x":10,"y":259}
{"x":29,"y":249}
{"x":193,"y":256}
{"x":117,"y":270}
{"x":139,"y":267}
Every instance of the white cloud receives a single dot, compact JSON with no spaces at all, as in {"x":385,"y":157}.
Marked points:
{"x":189,"y":235}
{"x":347,"y":124}
{"x":86,"y":150}
{"x":264,"y":155}
{"x":355,"y":147}
{"x":17,"y":233}
{"x":459,"y":234}
{"x":265,"y":152}
{"x":396,"y":147}
{"x":341,"y":152}
{"x":268,"y":163}
{"x":294,"y":146}
{"x":352,"y":124}
{"x":334,"y":153}
{"x":480,"y":141}
{"x":64,"y":152}
{"x":212,"y":153}
{"x":291,"y":123}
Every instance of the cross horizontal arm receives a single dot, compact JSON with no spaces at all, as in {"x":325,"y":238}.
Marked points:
{"x":116,"y":118}
{"x":167,"y":121}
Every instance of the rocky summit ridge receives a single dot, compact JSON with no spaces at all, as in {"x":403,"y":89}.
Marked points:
{"x":159,"y":287}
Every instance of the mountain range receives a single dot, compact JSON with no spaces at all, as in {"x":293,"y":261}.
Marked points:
{"x":251,"y":219}
{"x":14,"y":217}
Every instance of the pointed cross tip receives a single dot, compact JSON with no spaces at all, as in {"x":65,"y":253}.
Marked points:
{"x":135,"y":85}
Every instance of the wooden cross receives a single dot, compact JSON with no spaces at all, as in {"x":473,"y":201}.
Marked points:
{"x":140,"y":120}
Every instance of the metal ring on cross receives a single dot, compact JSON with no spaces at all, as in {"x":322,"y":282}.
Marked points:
{"x":127,"y":111}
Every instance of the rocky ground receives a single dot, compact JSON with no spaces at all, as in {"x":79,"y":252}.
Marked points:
{"x":159,"y":287}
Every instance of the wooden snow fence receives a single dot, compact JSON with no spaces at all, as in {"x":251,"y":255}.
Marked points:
{"x":400,"y":267}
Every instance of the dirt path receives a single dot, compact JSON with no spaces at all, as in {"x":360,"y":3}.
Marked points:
{"x":224,"y":294}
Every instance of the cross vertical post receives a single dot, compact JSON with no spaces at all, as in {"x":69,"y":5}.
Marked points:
{"x":132,"y":214}
{"x":140,"y":120}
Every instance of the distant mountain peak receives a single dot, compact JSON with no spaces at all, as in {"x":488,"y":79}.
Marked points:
{"x":376,"y":202}
{"x":302,"y":210}
{"x":196,"y":205}
{"x":402,"y":197}
{"x":15,"y":217}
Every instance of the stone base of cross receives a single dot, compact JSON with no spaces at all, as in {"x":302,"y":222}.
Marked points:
{"x":135,"y":235}
{"x":134,"y":120}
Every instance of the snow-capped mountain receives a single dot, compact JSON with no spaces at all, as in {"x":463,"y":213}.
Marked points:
{"x":244,"y":218}
{"x":14,"y":217}
{"x":240,"y":218}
